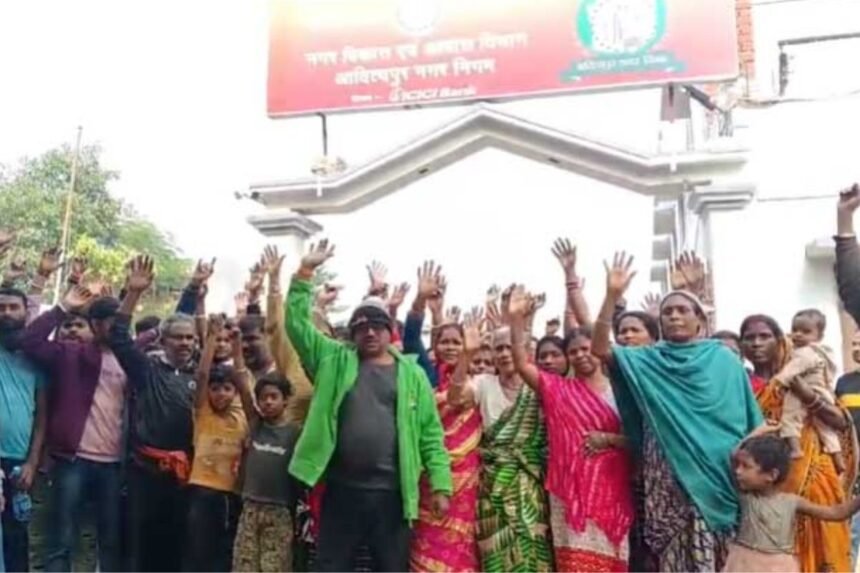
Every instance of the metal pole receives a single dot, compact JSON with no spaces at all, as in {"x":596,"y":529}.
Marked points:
{"x":67,"y":217}
{"x":324,"y":134}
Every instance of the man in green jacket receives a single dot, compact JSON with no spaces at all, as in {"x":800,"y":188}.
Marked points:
{"x":371,"y":430}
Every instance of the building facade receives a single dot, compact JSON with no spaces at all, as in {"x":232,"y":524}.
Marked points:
{"x":751,"y":184}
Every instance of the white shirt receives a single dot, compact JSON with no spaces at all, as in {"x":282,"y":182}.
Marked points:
{"x":490,"y":398}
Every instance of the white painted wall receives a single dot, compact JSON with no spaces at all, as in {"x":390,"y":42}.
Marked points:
{"x":493,"y":218}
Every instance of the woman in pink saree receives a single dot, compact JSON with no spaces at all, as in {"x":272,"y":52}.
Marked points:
{"x":449,"y":543}
{"x":588,"y":467}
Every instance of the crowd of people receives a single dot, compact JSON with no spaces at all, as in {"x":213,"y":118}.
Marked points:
{"x":269,"y":440}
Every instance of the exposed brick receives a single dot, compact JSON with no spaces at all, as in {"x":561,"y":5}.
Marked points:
{"x":746,"y":45}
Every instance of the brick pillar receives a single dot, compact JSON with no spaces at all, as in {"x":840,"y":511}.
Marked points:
{"x":746,"y":42}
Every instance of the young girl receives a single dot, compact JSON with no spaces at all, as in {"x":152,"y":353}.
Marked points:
{"x":765,"y":540}
{"x":220,"y":429}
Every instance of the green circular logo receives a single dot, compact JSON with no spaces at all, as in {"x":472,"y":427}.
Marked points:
{"x":621,"y":27}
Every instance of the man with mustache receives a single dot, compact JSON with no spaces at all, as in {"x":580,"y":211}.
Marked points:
{"x":161,"y":428}
{"x":88,"y":397}
{"x":22,"y":411}
{"x":255,"y":345}
{"x":372,"y":429}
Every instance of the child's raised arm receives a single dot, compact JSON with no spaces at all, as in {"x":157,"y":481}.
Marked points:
{"x":216,"y":325}
{"x":839,"y":512}
{"x":243,"y":379}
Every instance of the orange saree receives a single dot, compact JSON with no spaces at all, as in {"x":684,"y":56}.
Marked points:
{"x":820,"y":545}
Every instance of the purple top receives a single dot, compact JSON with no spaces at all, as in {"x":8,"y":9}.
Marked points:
{"x":73,"y":370}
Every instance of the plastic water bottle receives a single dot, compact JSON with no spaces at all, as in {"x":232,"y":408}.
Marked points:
{"x":22,"y":505}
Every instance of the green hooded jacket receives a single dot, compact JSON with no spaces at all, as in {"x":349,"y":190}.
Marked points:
{"x":332,"y":367}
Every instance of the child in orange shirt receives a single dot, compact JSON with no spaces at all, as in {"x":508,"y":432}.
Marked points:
{"x":220,"y":429}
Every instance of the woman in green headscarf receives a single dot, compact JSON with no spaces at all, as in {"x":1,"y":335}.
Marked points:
{"x":686,"y":403}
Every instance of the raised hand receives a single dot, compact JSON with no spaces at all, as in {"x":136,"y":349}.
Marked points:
{"x":377,"y":273}
{"x":689,"y":273}
{"x":476,"y":315}
{"x":272,"y":261}
{"x":77,"y":298}
{"x":566,"y":255}
{"x":254,"y":286}
{"x":436,"y":302}
{"x":619,"y":275}
{"x":429,"y":275}
{"x":493,"y":294}
{"x":327,"y":295}
{"x":240,"y":300}
{"x":141,"y":273}
{"x":215,"y":325}
{"x":849,"y":199}
{"x":506,"y":304}
{"x":50,"y":262}
{"x":471,"y":334}
{"x":16,"y":271}
{"x":494,"y":315}
{"x":519,"y":303}
{"x":101,"y":289}
{"x":77,"y":268}
{"x":452,"y":316}
{"x":203,"y":272}
{"x":536,"y":302}
{"x":317,"y":255}
{"x":398,"y":296}
{"x":651,"y":304}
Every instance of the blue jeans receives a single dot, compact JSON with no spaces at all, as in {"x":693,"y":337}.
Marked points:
{"x":16,"y":538}
{"x":855,"y":538}
{"x":72,"y":483}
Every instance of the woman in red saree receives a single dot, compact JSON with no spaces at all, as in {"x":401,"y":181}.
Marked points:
{"x":588,"y":468}
{"x":449,"y":543}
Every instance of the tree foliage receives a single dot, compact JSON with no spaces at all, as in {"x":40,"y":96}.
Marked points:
{"x":103,"y":228}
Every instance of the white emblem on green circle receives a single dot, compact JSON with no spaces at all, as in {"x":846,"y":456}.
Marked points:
{"x":621,"y":27}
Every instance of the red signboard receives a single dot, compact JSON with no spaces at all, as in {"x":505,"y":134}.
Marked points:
{"x":343,"y":55}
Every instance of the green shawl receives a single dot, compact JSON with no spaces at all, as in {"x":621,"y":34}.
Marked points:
{"x":697,"y":400}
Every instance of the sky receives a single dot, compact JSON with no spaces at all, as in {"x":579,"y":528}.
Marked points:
{"x":174,"y":92}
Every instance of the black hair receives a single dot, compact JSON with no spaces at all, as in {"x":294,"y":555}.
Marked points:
{"x":103,"y":308}
{"x":221,"y":374}
{"x":647,"y":320}
{"x":770,"y":453}
{"x":554,"y":320}
{"x":574,"y":333}
{"x":146,"y":324}
{"x":726,"y":335}
{"x":815,"y":315}
{"x":276,"y":379}
{"x":17,"y":293}
{"x":772,"y":324}
{"x":556,"y":341}
{"x":437,"y":331}
{"x":251,"y":322}
{"x":74,"y":315}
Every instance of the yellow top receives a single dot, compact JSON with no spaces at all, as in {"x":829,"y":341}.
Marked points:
{"x":218,"y":442}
